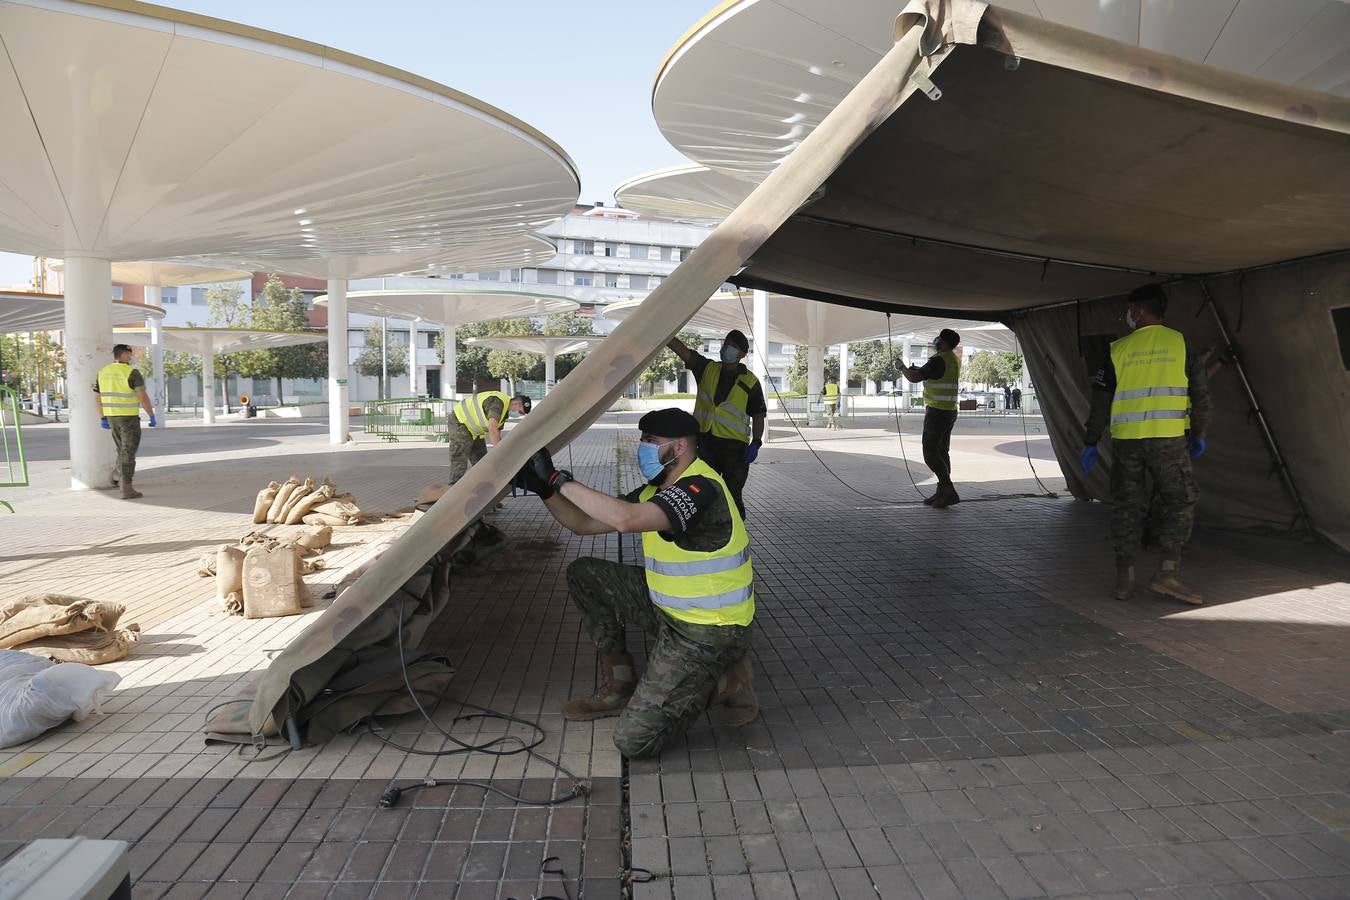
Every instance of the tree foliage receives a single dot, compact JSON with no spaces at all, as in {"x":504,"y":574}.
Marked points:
{"x":876,"y":361}
{"x":514,"y":364}
{"x":32,"y":365}
{"x":279,"y":308}
{"x":797,"y":369}
{"x":667,"y":366}
{"x":994,"y":370}
{"x":567,"y":324}
{"x":395,"y":360}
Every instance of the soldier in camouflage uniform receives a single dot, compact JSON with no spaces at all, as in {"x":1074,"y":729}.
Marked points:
{"x":473,"y":421}
{"x":698,"y":624}
{"x":1156,"y":399}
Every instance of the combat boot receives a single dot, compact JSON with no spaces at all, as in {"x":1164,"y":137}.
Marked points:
{"x":129,"y":492}
{"x":1124,"y":580}
{"x":1167,"y":582}
{"x":736,"y":691}
{"x":616,"y":685}
{"x":946,"y":496}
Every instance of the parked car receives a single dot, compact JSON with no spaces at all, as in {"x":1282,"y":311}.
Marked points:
{"x":982,"y":399}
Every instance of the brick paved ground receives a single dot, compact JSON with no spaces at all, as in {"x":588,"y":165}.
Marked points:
{"x":950,"y":709}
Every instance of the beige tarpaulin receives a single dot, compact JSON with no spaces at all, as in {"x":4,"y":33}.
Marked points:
{"x":582,"y":397}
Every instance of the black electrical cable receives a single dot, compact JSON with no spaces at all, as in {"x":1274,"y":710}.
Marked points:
{"x":391,"y":796}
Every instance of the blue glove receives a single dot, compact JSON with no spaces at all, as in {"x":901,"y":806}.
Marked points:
{"x":752,"y":452}
{"x":103,"y":423}
{"x":1196,"y":445}
{"x":153,"y":423}
{"x":1089,"y":458}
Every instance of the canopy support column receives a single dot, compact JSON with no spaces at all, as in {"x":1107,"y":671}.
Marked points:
{"x":338,"y":425}
{"x":412,"y":359}
{"x":208,"y":380}
{"x":158,"y":390}
{"x":89,"y":343}
{"x":908,"y":359}
{"x":550,"y":368}
{"x":449,"y":371}
{"x":759,"y":340}
{"x":843,"y":375}
{"x":815,"y":365}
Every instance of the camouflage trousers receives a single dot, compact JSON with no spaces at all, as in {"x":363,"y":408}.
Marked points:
{"x":126,"y":435}
{"x":684,"y":661}
{"x":1172,"y":493}
{"x":465,"y":450}
{"x":727,"y":457}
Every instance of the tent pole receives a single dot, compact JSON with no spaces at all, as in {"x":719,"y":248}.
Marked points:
{"x":1221,"y":322}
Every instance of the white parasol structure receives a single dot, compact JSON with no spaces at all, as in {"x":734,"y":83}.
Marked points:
{"x":151,"y":133}
{"x":21,"y":311}
{"x":546,"y":346}
{"x":452,"y":307}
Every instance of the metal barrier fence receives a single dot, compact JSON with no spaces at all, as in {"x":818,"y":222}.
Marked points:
{"x":396,"y":419}
{"x":15,"y":472}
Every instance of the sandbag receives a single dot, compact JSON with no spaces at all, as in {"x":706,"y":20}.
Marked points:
{"x":272,"y":584}
{"x":299,"y":494}
{"x":206,"y":566}
{"x":230,"y":577}
{"x":36,"y":694}
{"x":283,"y":495}
{"x":46,"y":615}
{"x":318,"y":518}
{"x":92,"y":648}
{"x":342,"y":507}
{"x":322,"y":494}
{"x":314,"y":539}
{"x":264,"y":502}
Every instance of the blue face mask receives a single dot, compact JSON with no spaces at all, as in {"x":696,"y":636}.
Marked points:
{"x":649,"y":460}
{"x":730,"y":354}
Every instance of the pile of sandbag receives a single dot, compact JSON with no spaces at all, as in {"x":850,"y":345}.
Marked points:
{"x":262,"y":575}
{"x":62,"y":628}
{"x":295,"y":502}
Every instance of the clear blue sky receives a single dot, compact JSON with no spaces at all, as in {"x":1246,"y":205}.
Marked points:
{"x":581,"y":71}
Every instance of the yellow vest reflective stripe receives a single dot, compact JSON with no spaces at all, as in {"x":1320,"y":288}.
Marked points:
{"x":115,"y":395}
{"x":472,"y":416}
{"x":713,"y":588}
{"x":1152,"y":398}
{"x":831,"y":393}
{"x":729,"y":418}
{"x":941,"y":393}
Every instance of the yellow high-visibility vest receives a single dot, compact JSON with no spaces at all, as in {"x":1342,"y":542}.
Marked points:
{"x":115,"y":395}
{"x":941,"y":393}
{"x":729,"y":418}
{"x":1152,"y":399}
{"x":472,"y":416}
{"x":713,"y":588}
{"x":831,"y":393}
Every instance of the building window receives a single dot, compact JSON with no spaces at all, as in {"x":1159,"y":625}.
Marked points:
{"x":529,"y":276}
{"x":168,"y":295}
{"x":198,"y":296}
{"x":489,"y":276}
{"x":117,"y":292}
{"x":654,"y":253}
{"x":625,"y":281}
{"x":356,"y":339}
{"x":515,"y":275}
{"x":612,"y":281}
{"x":676,"y":254}
{"x":624,"y":251}
{"x":427,"y":339}
{"x":609,"y":249}
{"x":583,"y":247}
{"x":582,"y":278}
{"x":638,"y":251}
{"x":548,"y":276}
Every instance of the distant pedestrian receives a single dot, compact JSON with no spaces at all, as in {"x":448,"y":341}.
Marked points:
{"x":121,"y":395}
{"x":832,"y":403}
{"x":1007,"y":397}
{"x":1017,"y":398}
{"x":941,"y":377}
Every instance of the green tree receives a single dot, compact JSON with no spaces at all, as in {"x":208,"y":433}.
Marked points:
{"x":876,"y":361}
{"x":395,"y":361}
{"x":667,"y":366}
{"x":797,"y":369}
{"x":226,"y":308}
{"x":33,"y":363}
{"x":514,"y":364}
{"x":993,"y":370}
{"x":278,"y":308}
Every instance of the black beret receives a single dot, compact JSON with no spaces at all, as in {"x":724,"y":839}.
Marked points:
{"x":737,"y":337}
{"x":950,"y":336}
{"x":668,"y":423}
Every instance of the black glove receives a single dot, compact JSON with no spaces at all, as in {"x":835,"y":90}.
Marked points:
{"x":538,"y":474}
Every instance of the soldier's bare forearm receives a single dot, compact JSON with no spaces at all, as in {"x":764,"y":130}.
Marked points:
{"x":571,"y":517}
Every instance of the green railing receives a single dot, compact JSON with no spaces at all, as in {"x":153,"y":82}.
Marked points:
{"x":394,"y":420}
{"x":15,"y":472}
